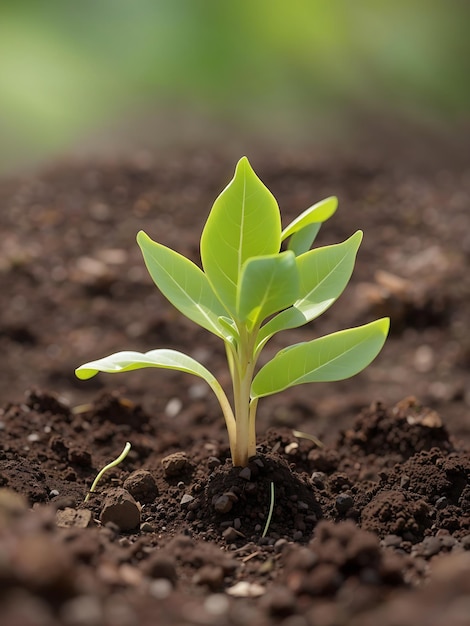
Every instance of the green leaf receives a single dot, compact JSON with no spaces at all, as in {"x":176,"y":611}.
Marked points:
{"x":319,"y":212}
{"x":330,"y":358}
{"x":183,"y":283}
{"x":130,"y":360}
{"x":165,"y":359}
{"x":324,"y":273}
{"x":267,"y":285}
{"x":244,"y":222}
{"x":302,"y":240}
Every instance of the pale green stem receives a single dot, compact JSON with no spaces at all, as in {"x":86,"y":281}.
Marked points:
{"x":120,"y":458}
{"x":245,"y":446}
{"x":252,"y":428}
{"x":227,"y":413}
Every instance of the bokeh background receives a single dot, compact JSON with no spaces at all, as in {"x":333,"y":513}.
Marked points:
{"x":83,"y":75}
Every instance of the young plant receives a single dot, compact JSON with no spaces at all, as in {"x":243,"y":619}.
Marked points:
{"x":248,"y":291}
{"x":107,"y":467}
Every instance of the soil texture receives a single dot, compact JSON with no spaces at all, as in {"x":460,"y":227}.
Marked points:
{"x":355,"y":510}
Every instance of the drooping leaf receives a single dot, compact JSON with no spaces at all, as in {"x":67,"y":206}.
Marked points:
{"x":324,"y":273}
{"x":330,"y":358}
{"x":183,"y":283}
{"x":317,"y":213}
{"x":267,"y":285}
{"x":165,"y":359}
{"x":130,"y":360}
{"x":244,"y":222}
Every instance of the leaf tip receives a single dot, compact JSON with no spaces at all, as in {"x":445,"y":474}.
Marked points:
{"x":385,"y":325}
{"x":84,"y":373}
{"x":243,"y":161}
{"x":359,"y":235}
{"x":142,"y":236}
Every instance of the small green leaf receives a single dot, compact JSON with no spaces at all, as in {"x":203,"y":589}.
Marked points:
{"x":330,"y":358}
{"x":183,"y":283}
{"x":268,"y":284}
{"x":244,"y":222}
{"x":130,"y":360}
{"x":302,"y":240}
{"x":319,"y":212}
{"x":324,"y":274}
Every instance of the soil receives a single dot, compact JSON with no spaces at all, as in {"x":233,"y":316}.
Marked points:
{"x":370,"y":519}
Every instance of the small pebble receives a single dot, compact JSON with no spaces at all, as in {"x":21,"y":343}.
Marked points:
{"x":175,"y":464}
{"x":69,"y":517}
{"x":142,"y":486}
{"x":392,"y":541}
{"x":120,"y":509}
{"x":213,"y":462}
{"x":173,"y":407}
{"x":291,"y":448}
{"x":441,"y":503}
{"x":245,"y":589}
{"x":343,"y":503}
{"x":405,"y":481}
{"x":160,"y":588}
{"x":223,"y":504}
{"x":230,"y":534}
{"x":147,"y":527}
{"x":217,"y":604}
{"x":245,"y":473}
{"x":186,"y":499}
{"x":318,"y":479}
{"x":280,"y":545}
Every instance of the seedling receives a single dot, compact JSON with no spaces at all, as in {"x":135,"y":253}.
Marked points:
{"x":107,"y":467}
{"x":249,"y":290}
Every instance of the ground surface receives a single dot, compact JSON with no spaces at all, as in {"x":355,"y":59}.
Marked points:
{"x":371,"y":528}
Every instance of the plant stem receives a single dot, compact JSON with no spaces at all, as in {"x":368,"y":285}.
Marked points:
{"x":228,"y":415}
{"x":245,"y":443}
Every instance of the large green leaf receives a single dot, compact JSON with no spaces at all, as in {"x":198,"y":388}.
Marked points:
{"x":267,"y":285}
{"x":324,"y":273}
{"x":317,"y":213}
{"x":130,"y":360}
{"x":333,"y":357}
{"x":244,"y":222}
{"x":183,"y":283}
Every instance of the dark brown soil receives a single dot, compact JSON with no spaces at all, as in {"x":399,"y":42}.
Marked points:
{"x":372,"y":527}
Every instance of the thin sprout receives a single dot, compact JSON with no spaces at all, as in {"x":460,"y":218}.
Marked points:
{"x":270,"y":514}
{"x":302,"y":435}
{"x":120,"y":458}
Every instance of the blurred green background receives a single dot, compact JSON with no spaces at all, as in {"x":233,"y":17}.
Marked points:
{"x":72,"y":72}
